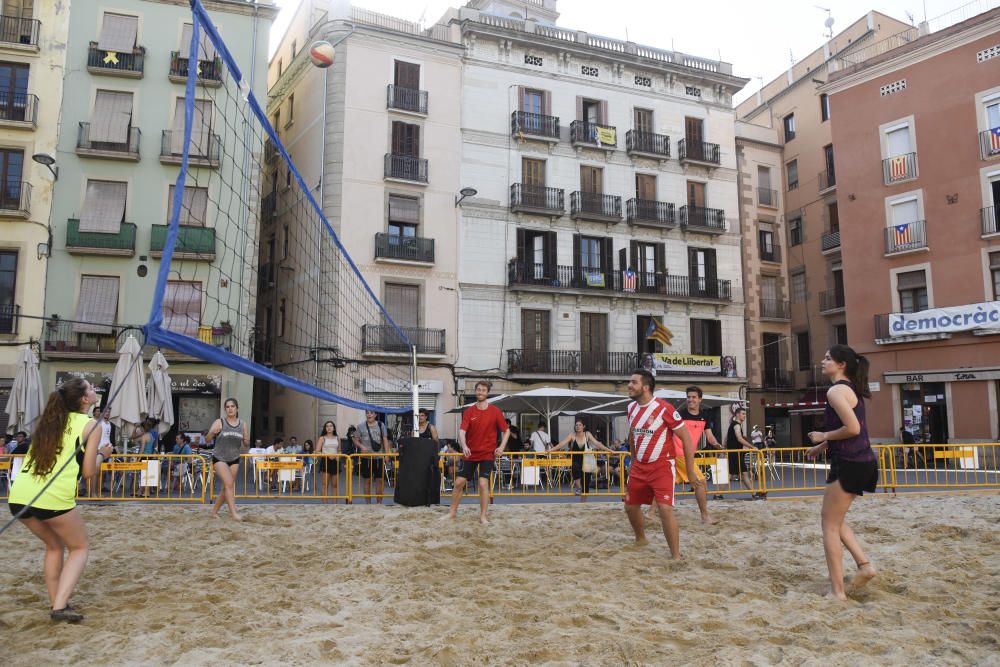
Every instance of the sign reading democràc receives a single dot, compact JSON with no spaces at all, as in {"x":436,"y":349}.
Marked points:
{"x":946,"y":320}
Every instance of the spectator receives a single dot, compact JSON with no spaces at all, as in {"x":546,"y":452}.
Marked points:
{"x":276,"y":447}
{"x":328,"y":443}
{"x":109,"y":432}
{"x":584,"y":466}
{"x":21,"y":443}
{"x":8,"y":443}
{"x":350,"y":444}
{"x":757,"y":437}
{"x":372,"y":438}
{"x":540,"y":440}
{"x":293,"y":446}
{"x":741,"y":462}
{"x":770,"y":441}
{"x":514,"y":443}
{"x":424,"y":428}
{"x":182,"y":447}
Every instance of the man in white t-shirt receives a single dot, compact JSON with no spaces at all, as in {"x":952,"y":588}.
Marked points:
{"x":540,"y":440}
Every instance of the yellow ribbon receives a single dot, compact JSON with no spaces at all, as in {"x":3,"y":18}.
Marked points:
{"x":112,"y":57}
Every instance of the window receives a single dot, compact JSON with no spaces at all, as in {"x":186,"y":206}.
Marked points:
{"x":295,"y":48}
{"x":281,"y":319}
{"x":912,"y":289}
{"x":833,"y":215}
{"x":792,"y":171}
{"x":406,"y":75}
{"x":644,"y":343}
{"x":288,"y":177}
{"x":534,"y":333}
{"x":111,"y":121}
{"x":897,"y":141}
{"x":706,"y":337}
{"x":798,"y":287}
{"x":802,"y":347}
{"x":772,"y":354}
{"x":280,"y":68}
{"x":118,"y":33}
{"x":694,"y":134}
{"x":765,"y":240}
{"x":194,"y":205}
{"x":103,"y":207}
{"x":993,"y":114}
{"x":840,"y":334}
{"x":789,"y":124}
{"x":824,"y":107}
{"x":769,"y":294}
{"x":291,"y":110}
{"x":405,"y":139}
{"x":404,"y":216}
{"x":702,"y":271}
{"x":536,"y":255}
{"x":795,"y":232}
{"x":285,"y":240}
{"x":591,"y":179}
{"x":402,"y":302}
{"x":182,"y":307}
{"x":11,"y":165}
{"x":995,"y":274}
{"x":97,"y":305}
{"x":765,"y":195}
{"x":643,"y":120}
{"x":279,"y":424}
{"x":590,"y":253}
{"x":590,"y":111}
{"x":831,"y":177}
{"x":533,"y":173}
{"x":8,"y":282}
{"x":13,"y":90}
{"x":206,"y":48}
{"x":645,"y":187}
{"x":277,"y":120}
{"x":201,"y":128}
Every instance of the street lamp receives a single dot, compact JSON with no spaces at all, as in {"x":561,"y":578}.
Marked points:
{"x":47,"y":160}
{"x":465,"y":192}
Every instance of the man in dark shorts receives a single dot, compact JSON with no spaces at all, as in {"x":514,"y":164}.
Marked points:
{"x":478,"y":439}
{"x":372,"y":438}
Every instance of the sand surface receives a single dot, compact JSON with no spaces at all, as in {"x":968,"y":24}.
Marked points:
{"x":551,"y":584}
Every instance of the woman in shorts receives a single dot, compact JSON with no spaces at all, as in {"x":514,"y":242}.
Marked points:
{"x":328,"y":442}
{"x":232,"y":437}
{"x":853,"y":466}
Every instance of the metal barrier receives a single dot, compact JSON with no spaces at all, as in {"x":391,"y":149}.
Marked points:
{"x":934,"y":467}
{"x":521,"y":474}
{"x":289,"y":476}
{"x":172,"y":477}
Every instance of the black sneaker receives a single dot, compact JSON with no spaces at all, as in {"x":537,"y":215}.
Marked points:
{"x":66,"y":615}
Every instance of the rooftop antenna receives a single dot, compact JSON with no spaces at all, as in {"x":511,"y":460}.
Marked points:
{"x":909,"y":15}
{"x":423,"y":17}
{"x":828,"y":23}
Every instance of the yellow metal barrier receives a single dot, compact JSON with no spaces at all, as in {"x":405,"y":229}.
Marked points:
{"x":162,"y":477}
{"x":936,"y":467}
{"x":323,"y":477}
{"x":520,"y":474}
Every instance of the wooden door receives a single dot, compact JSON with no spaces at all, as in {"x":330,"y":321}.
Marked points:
{"x":535,"y":343}
{"x":533,"y":179}
{"x":590,"y":180}
{"x":696,"y":194}
{"x":405,"y":139}
{"x":693,"y":134}
{"x":645,"y":188}
{"x":643,"y":120}
{"x":407,"y":75}
{"x":594,"y":342}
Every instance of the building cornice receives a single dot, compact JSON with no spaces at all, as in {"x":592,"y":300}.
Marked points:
{"x":266,"y":11}
{"x":911,"y":54}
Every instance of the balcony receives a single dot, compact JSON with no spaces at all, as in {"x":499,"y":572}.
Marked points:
{"x":595,"y":207}
{"x":192,"y":242}
{"x":383,"y":338}
{"x":392,"y":247}
{"x":121,"y":244}
{"x":704,"y":220}
{"x":899,"y":168}
{"x":989,"y":144}
{"x":534,"y":126}
{"x":650,"y":213}
{"x":268,"y":206}
{"x":116,"y":63}
{"x":199,"y":155}
{"x":767,"y":197}
{"x":544,"y":277}
{"x":991,"y":220}
{"x":906,"y":238}
{"x":537,"y":199}
{"x":647,"y":144}
{"x":265,"y":276}
{"x":10,"y":317}
{"x":15,"y":199}
{"x":830,"y":242}
{"x":582,"y":133}
{"x":405,"y":168}
{"x":571,"y":362}
{"x":209,"y":71}
{"x":775,"y":309}
{"x":23,"y":32}
{"x":406,"y":99}
{"x":831,"y":301}
{"x":776,"y":378}
{"x":18,"y":111}
{"x":827,"y":180}
{"x":60,"y":339}
{"x":770,"y":253}
{"x":699,"y":152}
{"x":110,"y":150}
{"x":271,"y":153}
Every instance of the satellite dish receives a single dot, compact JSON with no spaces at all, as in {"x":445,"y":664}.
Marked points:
{"x":828,"y":22}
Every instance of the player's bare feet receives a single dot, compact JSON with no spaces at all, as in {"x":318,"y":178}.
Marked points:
{"x":483,"y":520}
{"x":641,"y":542}
{"x":236,"y":517}
{"x":448,"y":517}
{"x":866,"y":572}
{"x":709,"y":520}
{"x":839,"y":597}
{"x":215,"y":515}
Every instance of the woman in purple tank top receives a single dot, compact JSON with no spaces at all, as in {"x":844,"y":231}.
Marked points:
{"x":853,"y":468}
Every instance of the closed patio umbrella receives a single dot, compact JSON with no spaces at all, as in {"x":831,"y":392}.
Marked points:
{"x":24,"y":406}
{"x":159,"y":398}
{"x":128,"y":391}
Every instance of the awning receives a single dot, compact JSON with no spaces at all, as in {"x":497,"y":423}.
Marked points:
{"x":800,"y":408}
{"x":400,"y":400}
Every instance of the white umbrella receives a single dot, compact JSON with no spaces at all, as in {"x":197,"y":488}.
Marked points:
{"x":550,"y":401}
{"x":158,"y":397}
{"x":24,"y":405}
{"x":128,"y":391}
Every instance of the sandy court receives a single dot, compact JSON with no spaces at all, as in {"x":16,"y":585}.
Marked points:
{"x":558,"y":584}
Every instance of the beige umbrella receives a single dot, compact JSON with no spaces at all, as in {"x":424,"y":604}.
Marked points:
{"x":24,"y":406}
{"x":158,"y":397}
{"x":128,"y":391}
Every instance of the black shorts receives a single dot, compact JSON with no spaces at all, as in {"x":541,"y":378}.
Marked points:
{"x":36,"y":512}
{"x":234,"y":462}
{"x":475,"y":469}
{"x":854,"y":476}
{"x":330,"y":465}
{"x":371,"y":467}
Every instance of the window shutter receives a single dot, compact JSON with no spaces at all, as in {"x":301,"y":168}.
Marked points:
{"x":103,"y":207}
{"x":547,"y":103}
{"x":634,"y":255}
{"x":193,"y":206}
{"x":579,"y":108}
{"x":710,"y":267}
{"x":97,"y":306}
{"x":576,"y":253}
{"x":520,"y":98}
{"x":404,"y":209}
{"x":112,"y":117}
{"x":550,"y":252}
{"x":118,"y":33}
{"x":695,"y":336}
{"x":911,"y":280}
{"x":607,"y":259}
{"x":602,"y":112}
{"x":522,"y":255}
{"x":715,"y":327}
{"x":182,"y":307}
{"x":661,"y":258}
{"x":185,"y":46}
{"x":201,"y":128}
{"x":623,"y":264}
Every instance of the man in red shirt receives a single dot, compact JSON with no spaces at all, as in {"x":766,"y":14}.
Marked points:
{"x":478,"y":438}
{"x":652,"y":425}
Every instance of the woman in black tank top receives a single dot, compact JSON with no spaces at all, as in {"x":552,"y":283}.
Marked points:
{"x":853,"y":468}
{"x":424,"y":427}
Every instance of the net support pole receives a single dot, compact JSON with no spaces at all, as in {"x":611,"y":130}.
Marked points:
{"x":416,"y":391}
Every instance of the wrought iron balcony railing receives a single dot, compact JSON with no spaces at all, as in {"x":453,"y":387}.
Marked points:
{"x":121,"y":63}
{"x":408,"y":248}
{"x":538,"y":199}
{"x":406,"y":168}
{"x":16,"y":30}
{"x":209,"y":71}
{"x":698,"y":151}
{"x":989,"y":144}
{"x":522,"y":273}
{"x":827,"y":180}
{"x":991,"y":220}
{"x":594,"y":206}
{"x":18,"y":107}
{"x":777,"y":378}
{"x":571,"y":362}
{"x":831,"y":300}
{"x":775,"y":309}
{"x":711,"y":220}
{"x":767,"y":197}
{"x":378,"y":338}
{"x":15,"y":197}
{"x":830,"y":241}
{"x":906,"y":237}
{"x":582,"y":132}
{"x":10,"y":317}
{"x":534,"y":125}
{"x":647,"y":143}
{"x":122,"y":150}
{"x":650,"y":213}
{"x":204,"y":152}
{"x":771,"y":253}
{"x":899,"y":168}
{"x":406,"y":99}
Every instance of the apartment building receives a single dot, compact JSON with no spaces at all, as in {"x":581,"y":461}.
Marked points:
{"x":31,"y":70}
{"x":796,"y":109}
{"x":918,"y":158}
{"x":118,"y":157}
{"x":607,"y":207}
{"x":379,"y":132}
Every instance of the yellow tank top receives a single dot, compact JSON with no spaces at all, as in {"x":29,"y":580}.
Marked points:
{"x":61,"y":494}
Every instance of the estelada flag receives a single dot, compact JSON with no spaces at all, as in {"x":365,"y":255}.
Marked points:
{"x":658,"y":332}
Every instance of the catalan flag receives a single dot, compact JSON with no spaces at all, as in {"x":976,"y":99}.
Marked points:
{"x":897,"y":168}
{"x":628,"y":281}
{"x":658,"y":332}
{"x":994,"y":140}
{"x":901,"y":235}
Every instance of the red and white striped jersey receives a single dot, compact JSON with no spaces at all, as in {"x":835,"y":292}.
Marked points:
{"x":652,"y":427}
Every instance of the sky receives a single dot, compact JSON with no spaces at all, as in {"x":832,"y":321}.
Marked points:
{"x":758,"y":38}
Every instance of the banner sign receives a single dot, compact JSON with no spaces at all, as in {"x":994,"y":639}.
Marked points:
{"x":279,"y":465}
{"x":687,"y":363}
{"x":946,"y":320}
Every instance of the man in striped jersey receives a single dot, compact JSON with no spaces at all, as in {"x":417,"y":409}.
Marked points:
{"x":652,"y":425}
